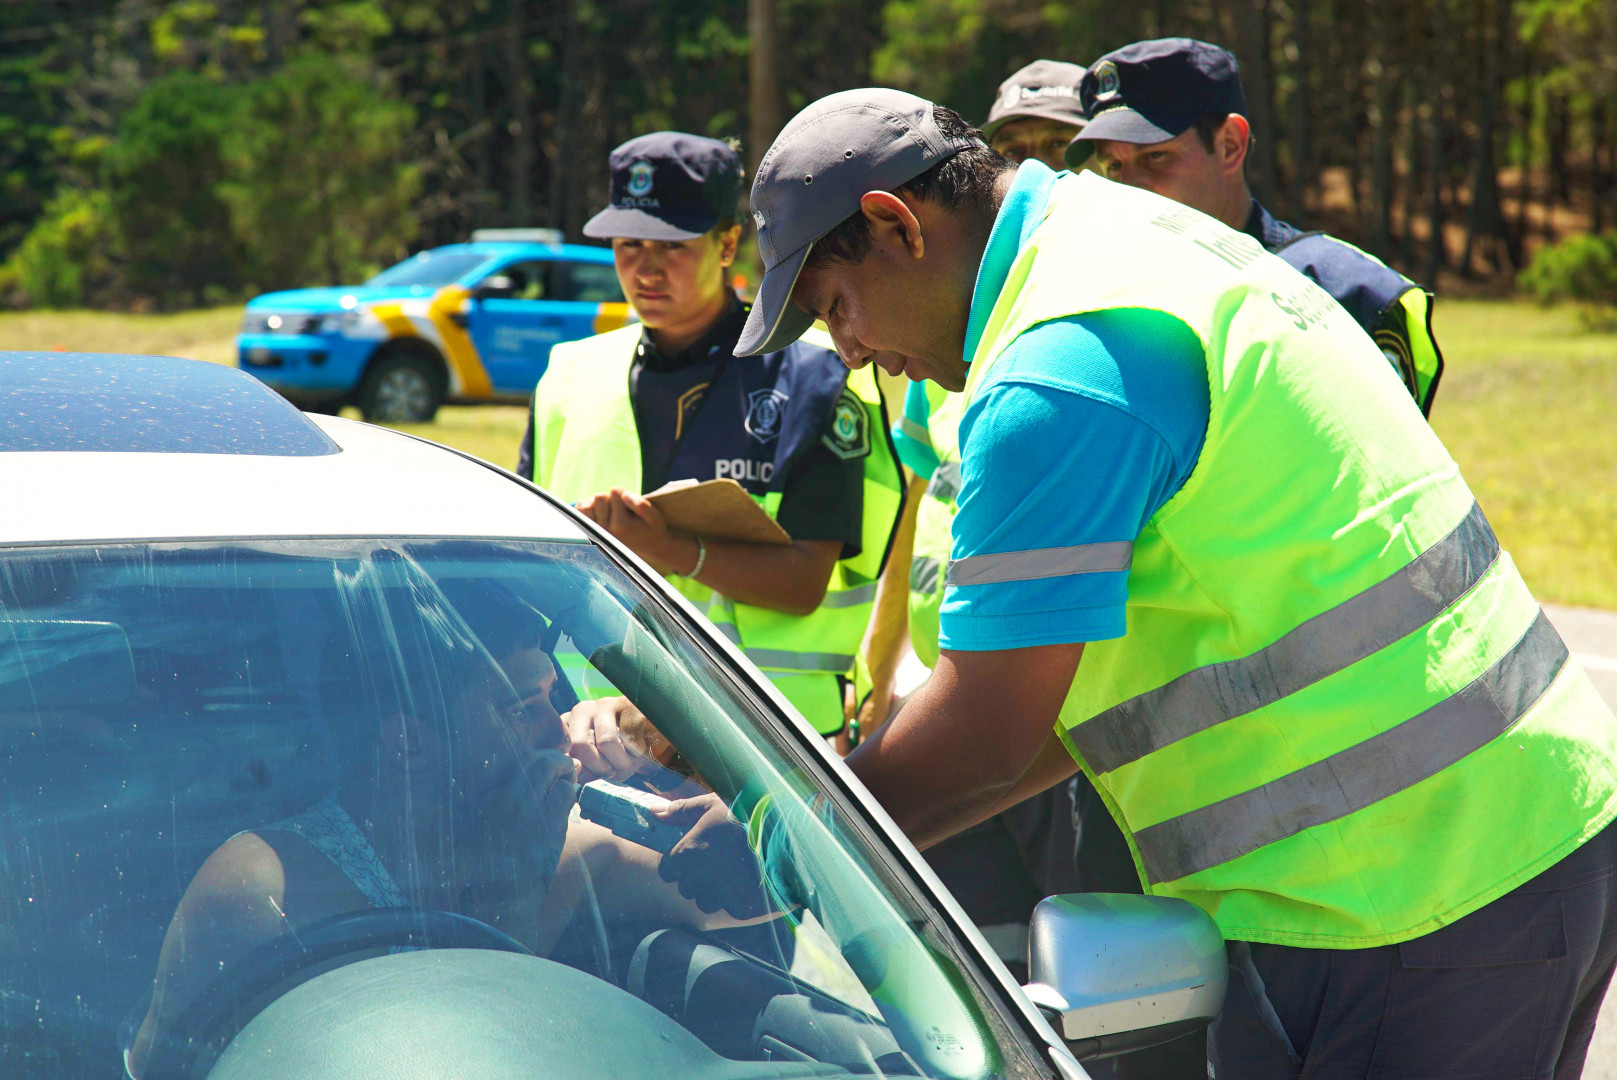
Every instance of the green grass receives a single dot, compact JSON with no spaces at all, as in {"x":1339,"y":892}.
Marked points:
{"x":492,"y":432}
{"x":1526,"y":406}
{"x":200,"y":335}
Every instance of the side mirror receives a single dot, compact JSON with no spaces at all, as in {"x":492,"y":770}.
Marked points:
{"x":494,"y":287}
{"x":1115,"y":972}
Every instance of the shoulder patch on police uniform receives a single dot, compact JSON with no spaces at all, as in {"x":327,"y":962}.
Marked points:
{"x":849,"y":436}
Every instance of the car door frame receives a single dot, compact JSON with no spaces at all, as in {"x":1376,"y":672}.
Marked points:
{"x":508,"y":374}
{"x":817,"y":758}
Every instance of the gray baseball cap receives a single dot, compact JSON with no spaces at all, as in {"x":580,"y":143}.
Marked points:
{"x":811,"y":180}
{"x":1044,"y":90}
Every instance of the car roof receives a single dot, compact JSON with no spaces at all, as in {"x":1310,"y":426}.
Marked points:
{"x":503,"y":248}
{"x":117,"y":447}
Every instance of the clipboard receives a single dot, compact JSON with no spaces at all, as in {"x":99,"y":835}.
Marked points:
{"x":716,"y":510}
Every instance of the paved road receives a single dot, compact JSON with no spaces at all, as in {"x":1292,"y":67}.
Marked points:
{"x":1592,"y":637}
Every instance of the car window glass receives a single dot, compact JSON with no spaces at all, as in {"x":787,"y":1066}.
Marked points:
{"x":430,"y":269}
{"x":591,"y":283}
{"x":529,"y":280}
{"x":261,"y":787}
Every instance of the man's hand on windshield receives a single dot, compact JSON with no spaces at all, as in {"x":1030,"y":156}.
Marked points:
{"x":634,"y":520}
{"x":713,"y":865}
{"x":612,"y":740}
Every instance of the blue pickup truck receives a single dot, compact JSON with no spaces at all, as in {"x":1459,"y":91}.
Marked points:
{"x":468,"y":323}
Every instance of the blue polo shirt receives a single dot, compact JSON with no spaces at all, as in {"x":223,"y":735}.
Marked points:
{"x":1083,"y":429}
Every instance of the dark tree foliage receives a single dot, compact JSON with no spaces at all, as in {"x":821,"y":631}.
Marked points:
{"x":163,"y":172}
{"x":1451,"y":137}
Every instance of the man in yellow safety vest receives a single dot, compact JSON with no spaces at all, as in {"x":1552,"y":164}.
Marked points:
{"x":1209,"y":551}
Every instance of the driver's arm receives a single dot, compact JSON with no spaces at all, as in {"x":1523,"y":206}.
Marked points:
{"x":232,"y":906}
{"x":598,"y":867}
{"x":966,"y":744}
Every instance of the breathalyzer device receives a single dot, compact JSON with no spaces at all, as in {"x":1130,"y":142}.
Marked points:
{"x":627,"y":812}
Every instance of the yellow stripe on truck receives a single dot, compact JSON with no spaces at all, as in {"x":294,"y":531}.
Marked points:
{"x":458,"y":348}
{"x":610,"y":317}
{"x":394,"y":320}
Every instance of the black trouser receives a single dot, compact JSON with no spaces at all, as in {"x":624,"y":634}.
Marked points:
{"x":1104,"y":864}
{"x":1510,"y":992}
{"x":1102,"y":856}
{"x":1000,"y":869}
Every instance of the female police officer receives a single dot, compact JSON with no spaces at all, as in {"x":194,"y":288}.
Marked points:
{"x":625,"y":412}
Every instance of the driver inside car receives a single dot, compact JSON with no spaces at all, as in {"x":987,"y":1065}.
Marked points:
{"x":715,"y":866}
{"x":489,"y":772}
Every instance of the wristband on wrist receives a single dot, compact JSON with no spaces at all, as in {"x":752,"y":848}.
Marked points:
{"x":701,"y":558}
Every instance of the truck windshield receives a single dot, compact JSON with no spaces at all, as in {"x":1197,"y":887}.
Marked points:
{"x":266,"y":804}
{"x":431,"y":269}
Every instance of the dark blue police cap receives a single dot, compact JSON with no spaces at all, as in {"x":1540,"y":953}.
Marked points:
{"x":669,"y":186}
{"x":1153,"y":91}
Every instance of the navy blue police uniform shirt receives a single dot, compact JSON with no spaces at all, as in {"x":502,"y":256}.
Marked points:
{"x":1370,"y":290}
{"x":1365,"y":286}
{"x":822,"y":498}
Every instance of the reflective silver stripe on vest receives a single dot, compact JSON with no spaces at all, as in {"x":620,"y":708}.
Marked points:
{"x":833,"y":663}
{"x":1042,"y":563}
{"x":945,"y":482}
{"x":1361,"y":775}
{"x":915,"y":431}
{"x":846,"y":598}
{"x":924,"y":574}
{"x":1393,"y":608}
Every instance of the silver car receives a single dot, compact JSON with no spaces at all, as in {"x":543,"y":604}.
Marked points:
{"x":329,"y":752}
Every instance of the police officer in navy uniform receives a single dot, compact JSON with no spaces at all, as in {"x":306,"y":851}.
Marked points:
{"x":1166,"y":115}
{"x":620,"y":414}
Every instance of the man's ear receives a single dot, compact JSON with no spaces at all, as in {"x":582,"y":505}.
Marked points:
{"x":1233,"y":143}
{"x":729,"y":240}
{"x":891,"y":217}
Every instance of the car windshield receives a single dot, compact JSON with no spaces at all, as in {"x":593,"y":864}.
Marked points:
{"x":310,"y":807}
{"x":430,"y":269}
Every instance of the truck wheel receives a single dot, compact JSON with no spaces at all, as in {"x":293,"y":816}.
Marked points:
{"x":403,"y":388}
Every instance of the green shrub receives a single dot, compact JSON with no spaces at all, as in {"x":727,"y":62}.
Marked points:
{"x":1581,"y":268}
{"x":68,"y":259}
{"x":163,"y":172}
{"x":317,"y":185}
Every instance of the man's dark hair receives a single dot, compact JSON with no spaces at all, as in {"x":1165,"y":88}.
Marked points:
{"x":729,"y":221}
{"x":1207,"y":125}
{"x":963,"y":183}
